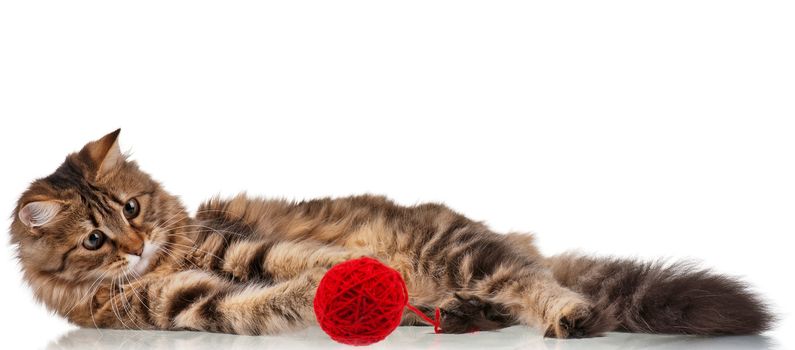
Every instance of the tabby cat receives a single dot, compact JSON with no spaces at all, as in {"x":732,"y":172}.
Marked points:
{"x":104,"y":245}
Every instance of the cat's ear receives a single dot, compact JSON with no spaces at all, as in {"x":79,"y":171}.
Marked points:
{"x":35,"y":214}
{"x":103,"y":155}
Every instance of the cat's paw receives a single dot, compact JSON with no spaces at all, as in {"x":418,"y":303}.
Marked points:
{"x":467,"y":313}
{"x":578,"y":320}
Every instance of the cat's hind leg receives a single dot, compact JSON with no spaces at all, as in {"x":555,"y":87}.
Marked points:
{"x":535,"y":298}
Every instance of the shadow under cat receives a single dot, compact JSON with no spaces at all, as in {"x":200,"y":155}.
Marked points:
{"x":517,"y":337}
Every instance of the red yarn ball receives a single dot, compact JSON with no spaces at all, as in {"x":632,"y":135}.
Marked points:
{"x":360,"y":302}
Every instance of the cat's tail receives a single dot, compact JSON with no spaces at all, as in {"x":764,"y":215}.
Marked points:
{"x":655,"y":297}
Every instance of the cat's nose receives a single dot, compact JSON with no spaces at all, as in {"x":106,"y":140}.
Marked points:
{"x":137,"y":251}
{"x":131,"y":244}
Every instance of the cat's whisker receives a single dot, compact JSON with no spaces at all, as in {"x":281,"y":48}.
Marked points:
{"x":168,"y":224}
{"x":130,"y":309}
{"x":180,"y":261}
{"x":93,"y":320}
{"x":176,"y":217}
{"x":198,"y":250}
{"x":210,"y":210}
{"x":220,"y":232}
{"x":137,"y":278}
{"x":213,"y":229}
{"x":124,"y":302}
{"x":183,"y":261}
{"x":248,"y":226}
{"x":95,"y":285}
{"x":89,"y":293}
{"x":113,"y":303}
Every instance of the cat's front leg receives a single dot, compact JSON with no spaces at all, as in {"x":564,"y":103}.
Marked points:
{"x":198,"y":300}
{"x":283,"y":260}
{"x":465,"y":312}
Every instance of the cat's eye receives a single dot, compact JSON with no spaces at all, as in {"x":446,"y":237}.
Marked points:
{"x":94,"y":241}
{"x":131,"y":209}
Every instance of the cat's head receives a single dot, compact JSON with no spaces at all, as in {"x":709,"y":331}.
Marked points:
{"x":96,"y":217}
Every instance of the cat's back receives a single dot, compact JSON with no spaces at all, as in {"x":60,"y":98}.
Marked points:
{"x":325,"y":219}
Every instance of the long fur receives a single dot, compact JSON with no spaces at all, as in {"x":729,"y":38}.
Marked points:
{"x":250,"y":265}
{"x":655,"y":297}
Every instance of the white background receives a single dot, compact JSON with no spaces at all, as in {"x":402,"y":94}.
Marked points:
{"x":631,"y":128}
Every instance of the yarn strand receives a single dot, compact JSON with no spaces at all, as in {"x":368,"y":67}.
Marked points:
{"x":437,"y":327}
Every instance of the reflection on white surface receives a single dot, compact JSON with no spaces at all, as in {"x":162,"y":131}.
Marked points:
{"x":403,"y":338}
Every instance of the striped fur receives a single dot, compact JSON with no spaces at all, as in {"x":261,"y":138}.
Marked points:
{"x":248,"y":265}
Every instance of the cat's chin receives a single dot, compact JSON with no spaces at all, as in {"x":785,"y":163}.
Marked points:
{"x":139,"y":265}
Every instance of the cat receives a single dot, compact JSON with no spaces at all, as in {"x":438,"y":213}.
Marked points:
{"x":103,"y":245}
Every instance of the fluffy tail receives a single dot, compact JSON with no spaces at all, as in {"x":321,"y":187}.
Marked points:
{"x":664,"y":298}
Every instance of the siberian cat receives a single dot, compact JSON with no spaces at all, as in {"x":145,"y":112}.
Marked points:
{"x":102,"y":244}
